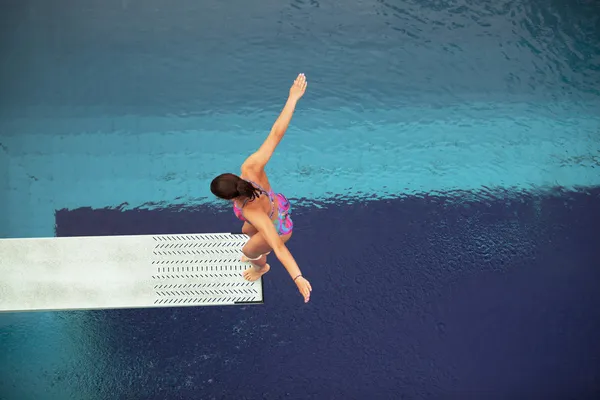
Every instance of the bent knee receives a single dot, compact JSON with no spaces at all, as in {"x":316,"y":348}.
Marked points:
{"x":248,"y":229}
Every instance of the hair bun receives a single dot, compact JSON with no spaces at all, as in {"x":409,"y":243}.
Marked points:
{"x":245,"y":188}
{"x":241,"y":186}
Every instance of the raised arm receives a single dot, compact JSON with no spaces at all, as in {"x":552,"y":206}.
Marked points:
{"x":261,"y":157}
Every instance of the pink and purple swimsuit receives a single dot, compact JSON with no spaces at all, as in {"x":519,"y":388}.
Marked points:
{"x":283,"y":223}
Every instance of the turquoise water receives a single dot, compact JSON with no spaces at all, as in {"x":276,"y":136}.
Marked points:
{"x":404,"y":97}
{"x":326,"y":155}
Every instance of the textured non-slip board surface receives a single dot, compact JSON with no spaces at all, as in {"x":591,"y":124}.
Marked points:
{"x":102,"y":272}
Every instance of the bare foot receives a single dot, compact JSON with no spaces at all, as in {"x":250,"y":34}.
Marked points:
{"x":253,"y":273}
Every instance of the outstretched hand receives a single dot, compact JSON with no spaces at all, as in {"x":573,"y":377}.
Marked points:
{"x":298,"y":87}
{"x":304,"y":288}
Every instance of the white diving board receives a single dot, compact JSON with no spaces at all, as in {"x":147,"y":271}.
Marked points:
{"x":108,"y":272}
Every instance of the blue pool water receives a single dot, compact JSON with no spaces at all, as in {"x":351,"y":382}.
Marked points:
{"x":444,"y":167}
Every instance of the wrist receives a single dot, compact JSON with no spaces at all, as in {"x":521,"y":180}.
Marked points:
{"x":297,"y":277}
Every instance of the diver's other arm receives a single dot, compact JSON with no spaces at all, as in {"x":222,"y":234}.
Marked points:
{"x":261,"y":157}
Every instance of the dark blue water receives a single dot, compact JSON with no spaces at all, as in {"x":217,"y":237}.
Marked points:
{"x":156,"y":57}
{"x":421,"y":297}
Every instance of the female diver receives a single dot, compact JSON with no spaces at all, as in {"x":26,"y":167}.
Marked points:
{"x":266,"y":215}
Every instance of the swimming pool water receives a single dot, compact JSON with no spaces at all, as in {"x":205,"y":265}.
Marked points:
{"x":404,"y":98}
{"x":443,"y":164}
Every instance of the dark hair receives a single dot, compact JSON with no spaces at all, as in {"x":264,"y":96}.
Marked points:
{"x":229,"y":186}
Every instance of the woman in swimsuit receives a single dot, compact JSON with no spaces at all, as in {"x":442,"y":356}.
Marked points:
{"x":266,"y":214}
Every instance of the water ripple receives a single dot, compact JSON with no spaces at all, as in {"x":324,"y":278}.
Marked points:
{"x":384,"y":54}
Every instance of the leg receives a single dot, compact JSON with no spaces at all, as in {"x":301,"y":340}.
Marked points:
{"x":256,"y":246}
{"x":249,"y":230}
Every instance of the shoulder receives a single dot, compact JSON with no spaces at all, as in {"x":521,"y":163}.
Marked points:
{"x":249,"y":173}
{"x":252,"y":173}
{"x":259,"y":177}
